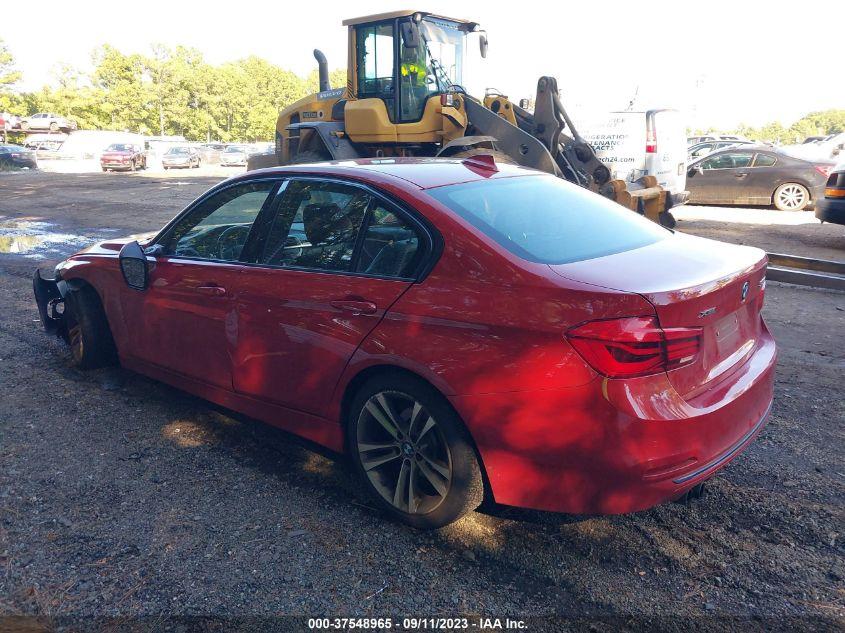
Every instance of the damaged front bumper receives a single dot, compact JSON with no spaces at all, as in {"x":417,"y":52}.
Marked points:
{"x":50,"y":296}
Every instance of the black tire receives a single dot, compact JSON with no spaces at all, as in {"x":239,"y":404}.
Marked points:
{"x":462,"y":492}
{"x":311,"y":156}
{"x":88,"y":332}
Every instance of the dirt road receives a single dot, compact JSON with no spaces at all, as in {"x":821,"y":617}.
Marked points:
{"x":120,"y":496}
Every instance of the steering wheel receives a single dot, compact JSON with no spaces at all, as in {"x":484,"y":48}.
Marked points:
{"x":231,"y":240}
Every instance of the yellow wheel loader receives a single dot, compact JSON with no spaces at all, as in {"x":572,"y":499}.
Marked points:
{"x":404,"y":97}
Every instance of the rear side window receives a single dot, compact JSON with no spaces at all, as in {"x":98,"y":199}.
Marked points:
{"x":391,"y":246}
{"x":764,"y":160}
{"x":546,"y":220}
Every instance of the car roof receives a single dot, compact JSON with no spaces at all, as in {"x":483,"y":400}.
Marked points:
{"x":423,"y":173}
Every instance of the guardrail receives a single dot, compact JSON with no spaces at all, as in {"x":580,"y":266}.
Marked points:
{"x":806,"y":271}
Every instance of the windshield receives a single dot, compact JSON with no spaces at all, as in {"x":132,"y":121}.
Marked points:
{"x":178,"y":150}
{"x":444,"y":44}
{"x":119,"y":147}
{"x":234,"y":150}
{"x":546,"y":220}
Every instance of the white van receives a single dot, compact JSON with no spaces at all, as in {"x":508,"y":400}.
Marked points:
{"x":636,"y":144}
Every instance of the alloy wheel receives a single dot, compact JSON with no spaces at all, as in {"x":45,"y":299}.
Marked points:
{"x":792,"y":197}
{"x":403,"y":452}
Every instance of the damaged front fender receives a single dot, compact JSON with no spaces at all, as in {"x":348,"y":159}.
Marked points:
{"x":50,"y":296}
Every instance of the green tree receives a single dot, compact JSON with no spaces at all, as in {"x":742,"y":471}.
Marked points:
{"x":8,"y":77}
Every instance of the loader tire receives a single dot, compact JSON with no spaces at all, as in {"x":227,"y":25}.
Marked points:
{"x":311,"y":156}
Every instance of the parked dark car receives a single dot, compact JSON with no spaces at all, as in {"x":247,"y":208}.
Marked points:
{"x":16,"y":157}
{"x":461,"y":329}
{"x":757,"y":175}
{"x":700,"y":150}
{"x":181,"y":156}
{"x":831,"y":208}
{"x":123,"y":156}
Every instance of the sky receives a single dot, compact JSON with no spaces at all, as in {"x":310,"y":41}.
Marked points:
{"x":722,"y":63}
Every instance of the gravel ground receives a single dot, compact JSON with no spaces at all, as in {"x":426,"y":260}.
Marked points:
{"x":122,"y":497}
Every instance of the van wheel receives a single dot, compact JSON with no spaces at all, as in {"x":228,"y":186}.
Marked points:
{"x":413,"y":453}
{"x":791,"y":196}
{"x":88,"y":332}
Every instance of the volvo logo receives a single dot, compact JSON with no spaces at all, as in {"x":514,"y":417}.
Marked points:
{"x":744,"y":290}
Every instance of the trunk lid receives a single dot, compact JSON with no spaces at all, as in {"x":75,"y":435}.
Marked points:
{"x":691,"y":282}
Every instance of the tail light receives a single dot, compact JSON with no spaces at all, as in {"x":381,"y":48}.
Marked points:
{"x":634,"y":346}
{"x":824,"y":170}
{"x":651,"y":140}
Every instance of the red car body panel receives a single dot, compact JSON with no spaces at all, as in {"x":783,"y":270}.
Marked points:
{"x":484,"y":327}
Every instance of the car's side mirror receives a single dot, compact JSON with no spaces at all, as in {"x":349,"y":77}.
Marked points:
{"x":692,"y":171}
{"x":483,"y":44}
{"x":134,"y":266}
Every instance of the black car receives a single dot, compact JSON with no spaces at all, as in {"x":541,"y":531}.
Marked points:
{"x":16,"y":157}
{"x":752,"y":175}
{"x":831,"y":208}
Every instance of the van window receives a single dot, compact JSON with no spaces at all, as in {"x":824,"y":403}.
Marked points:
{"x":547,"y":220}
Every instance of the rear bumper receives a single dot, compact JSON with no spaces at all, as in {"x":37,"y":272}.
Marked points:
{"x":831,"y":210}
{"x":616,"y":446}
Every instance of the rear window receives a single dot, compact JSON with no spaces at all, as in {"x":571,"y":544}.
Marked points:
{"x":546,"y":220}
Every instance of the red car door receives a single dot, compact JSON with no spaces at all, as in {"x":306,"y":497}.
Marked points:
{"x":184,"y":321}
{"x":335,"y":257}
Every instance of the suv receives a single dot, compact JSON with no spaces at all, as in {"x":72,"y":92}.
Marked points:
{"x":47,"y":121}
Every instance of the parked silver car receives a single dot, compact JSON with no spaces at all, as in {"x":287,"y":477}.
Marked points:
{"x":47,"y":121}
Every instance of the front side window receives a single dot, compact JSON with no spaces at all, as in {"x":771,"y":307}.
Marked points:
{"x":218,"y":227}
{"x":546,"y":220}
{"x":316,"y":226}
{"x":728,"y":160}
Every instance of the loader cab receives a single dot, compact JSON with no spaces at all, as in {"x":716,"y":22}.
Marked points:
{"x":399,"y":64}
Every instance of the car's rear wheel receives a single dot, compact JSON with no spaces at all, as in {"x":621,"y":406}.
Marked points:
{"x":791,"y":196}
{"x":413,"y":453}
{"x":88,"y":332}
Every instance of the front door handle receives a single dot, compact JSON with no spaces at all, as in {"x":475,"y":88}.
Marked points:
{"x":741,"y":174}
{"x":355,"y":306}
{"x":214,"y":291}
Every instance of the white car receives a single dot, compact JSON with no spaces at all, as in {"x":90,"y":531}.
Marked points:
{"x":47,"y":121}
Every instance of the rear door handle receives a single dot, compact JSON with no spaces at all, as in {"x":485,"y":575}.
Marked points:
{"x":213,"y":290}
{"x":355,"y":306}
{"x":741,"y":174}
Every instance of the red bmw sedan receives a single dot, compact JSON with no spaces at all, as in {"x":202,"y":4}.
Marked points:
{"x":460,"y":329}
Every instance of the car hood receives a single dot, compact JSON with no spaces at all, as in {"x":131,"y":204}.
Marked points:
{"x":112,"y":246}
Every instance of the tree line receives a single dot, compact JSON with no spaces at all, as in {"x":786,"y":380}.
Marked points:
{"x":171,"y":91}
{"x":814,"y":124}
{"x":175,"y":91}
